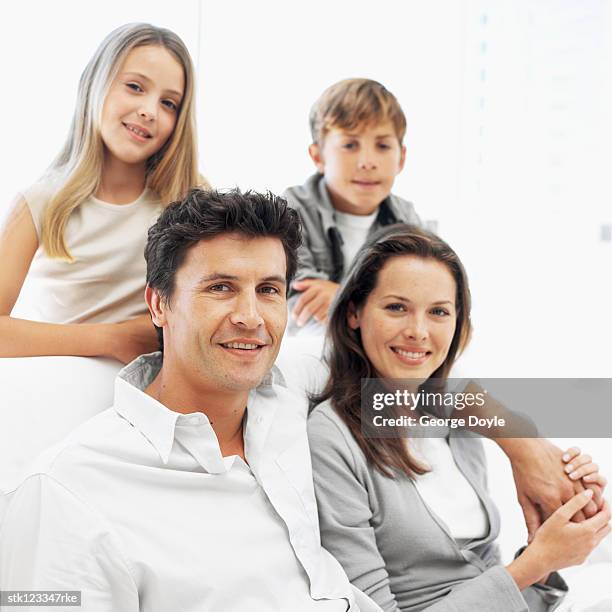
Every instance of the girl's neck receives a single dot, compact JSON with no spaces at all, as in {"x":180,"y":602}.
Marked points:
{"x":120,"y":183}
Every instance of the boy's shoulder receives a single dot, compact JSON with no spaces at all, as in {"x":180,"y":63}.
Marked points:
{"x":402,"y":210}
{"x":310,"y":198}
{"x":308,"y":195}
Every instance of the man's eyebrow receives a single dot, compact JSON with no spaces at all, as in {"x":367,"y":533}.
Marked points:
{"x":215,"y":276}
{"x":144,"y":77}
{"x":275,"y":278}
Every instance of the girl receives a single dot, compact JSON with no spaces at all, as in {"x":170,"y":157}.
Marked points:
{"x":80,"y":231}
{"x":412,"y":524}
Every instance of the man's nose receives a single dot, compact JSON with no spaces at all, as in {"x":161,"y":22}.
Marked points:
{"x":246,"y":311}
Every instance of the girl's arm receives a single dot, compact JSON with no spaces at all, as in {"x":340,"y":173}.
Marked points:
{"x":21,"y":338}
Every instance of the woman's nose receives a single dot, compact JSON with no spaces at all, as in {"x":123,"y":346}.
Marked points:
{"x":416,"y":328}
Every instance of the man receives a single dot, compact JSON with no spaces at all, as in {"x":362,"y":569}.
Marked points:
{"x":194,"y":491}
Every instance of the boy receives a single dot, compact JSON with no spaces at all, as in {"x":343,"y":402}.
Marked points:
{"x":357,"y":130}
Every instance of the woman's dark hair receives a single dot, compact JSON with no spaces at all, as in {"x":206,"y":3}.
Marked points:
{"x":346,"y":358}
{"x":204,"y":214}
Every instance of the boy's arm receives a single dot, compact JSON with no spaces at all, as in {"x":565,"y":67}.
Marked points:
{"x":307,"y":267}
{"x":314,"y":301}
{"x":312,"y":290}
{"x":51,"y":541}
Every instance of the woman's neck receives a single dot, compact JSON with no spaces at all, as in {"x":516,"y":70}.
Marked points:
{"x":120,"y":183}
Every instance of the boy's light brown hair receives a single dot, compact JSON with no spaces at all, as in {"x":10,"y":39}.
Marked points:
{"x":354,"y":103}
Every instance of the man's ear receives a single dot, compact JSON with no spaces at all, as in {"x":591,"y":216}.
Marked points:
{"x":157,"y":306}
{"x":352,"y":317}
{"x":314,"y":150}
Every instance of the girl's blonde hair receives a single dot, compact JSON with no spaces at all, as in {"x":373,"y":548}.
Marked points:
{"x":171,"y":172}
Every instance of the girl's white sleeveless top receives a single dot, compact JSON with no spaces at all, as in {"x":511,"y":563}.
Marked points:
{"x":106,"y":282}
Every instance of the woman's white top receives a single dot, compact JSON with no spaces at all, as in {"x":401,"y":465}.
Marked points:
{"x":106,"y":282}
{"x":446,"y":490}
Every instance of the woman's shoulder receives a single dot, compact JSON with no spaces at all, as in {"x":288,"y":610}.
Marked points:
{"x":332,"y":444}
{"x":324,"y":415}
{"x":327,"y":429}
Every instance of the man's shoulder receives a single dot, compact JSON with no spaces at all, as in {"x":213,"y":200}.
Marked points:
{"x":293,"y":406}
{"x":93,"y":437}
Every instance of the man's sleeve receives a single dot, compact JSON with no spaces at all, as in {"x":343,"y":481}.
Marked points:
{"x":51,"y":540}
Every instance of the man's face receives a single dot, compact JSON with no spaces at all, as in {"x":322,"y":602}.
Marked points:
{"x":227,"y":314}
{"x":360,"y":166}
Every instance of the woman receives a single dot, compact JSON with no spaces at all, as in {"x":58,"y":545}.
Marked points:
{"x":415,"y":528}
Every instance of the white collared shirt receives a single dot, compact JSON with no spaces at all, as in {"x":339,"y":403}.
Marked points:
{"x":139,"y":510}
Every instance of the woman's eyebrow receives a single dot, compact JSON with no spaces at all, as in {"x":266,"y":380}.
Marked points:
{"x":405,"y":299}
{"x":396,"y":297}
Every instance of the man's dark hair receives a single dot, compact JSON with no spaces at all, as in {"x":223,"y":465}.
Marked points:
{"x":204,"y":214}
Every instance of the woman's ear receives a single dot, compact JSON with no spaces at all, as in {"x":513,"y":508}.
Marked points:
{"x":157,"y":306}
{"x":352,"y":316}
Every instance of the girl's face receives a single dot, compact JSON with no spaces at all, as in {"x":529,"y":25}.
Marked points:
{"x":141,"y":107}
{"x":408,"y":321}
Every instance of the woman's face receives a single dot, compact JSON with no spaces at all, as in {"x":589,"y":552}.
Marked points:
{"x":408,"y":321}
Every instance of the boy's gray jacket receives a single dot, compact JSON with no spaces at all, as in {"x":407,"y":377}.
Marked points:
{"x":320,"y":255}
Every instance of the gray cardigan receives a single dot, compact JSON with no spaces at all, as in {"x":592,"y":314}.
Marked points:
{"x":393,"y":547}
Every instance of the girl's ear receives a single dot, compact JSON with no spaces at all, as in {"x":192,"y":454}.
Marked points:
{"x":352,"y":316}
{"x":157,"y":306}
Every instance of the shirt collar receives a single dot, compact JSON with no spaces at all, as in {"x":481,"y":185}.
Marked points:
{"x":159,"y":425}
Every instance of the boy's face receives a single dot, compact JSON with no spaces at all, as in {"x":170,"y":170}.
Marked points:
{"x":359,"y":165}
